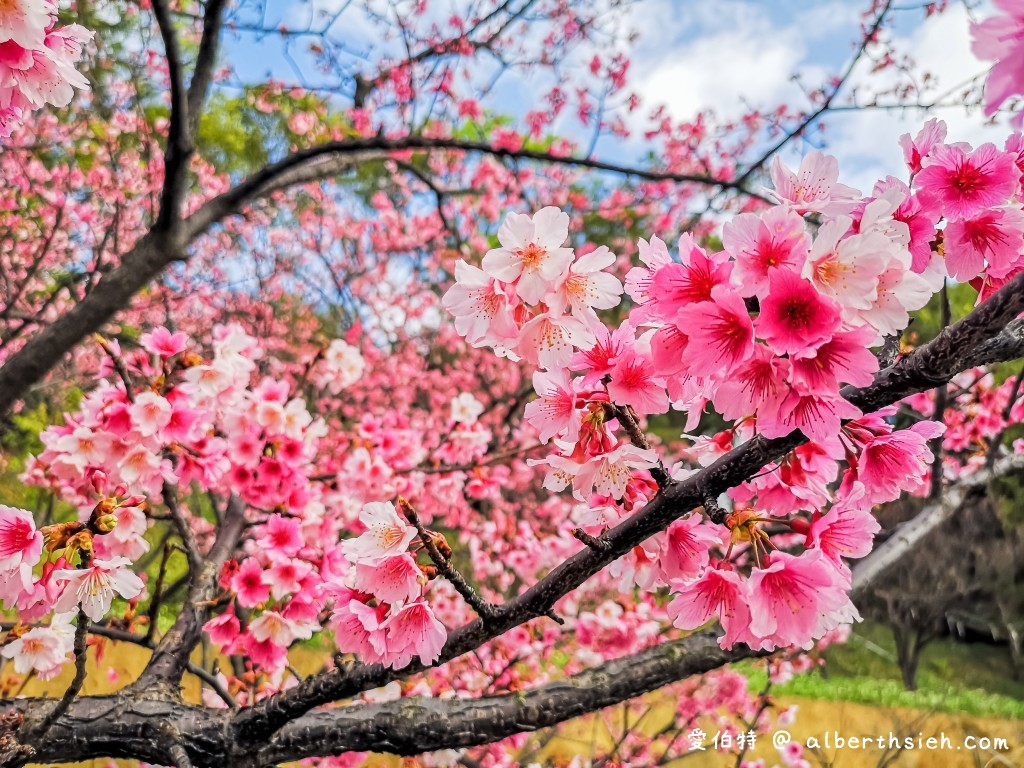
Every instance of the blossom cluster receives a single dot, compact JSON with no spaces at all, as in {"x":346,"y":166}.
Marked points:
{"x":167,"y":419}
{"x":766,"y":332}
{"x":37,"y":60}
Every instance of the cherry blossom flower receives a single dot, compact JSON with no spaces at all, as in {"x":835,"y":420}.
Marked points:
{"x":25,"y":21}
{"x":721,"y":335}
{"x":995,"y":236}
{"x":916,"y":149}
{"x":653,"y":255}
{"x":676,"y":285}
{"x":794,"y":317}
{"x":395,"y":579}
{"x":549,"y":340}
{"x":20,"y":543}
{"x":962,"y":184}
{"x":414,"y":632}
{"x":718,"y":593}
{"x":94,"y":586}
{"x":847,"y":268}
{"x":759,"y":242}
{"x":587,"y":287}
{"x":343,"y":366}
{"x":632,"y":382}
{"x":685,"y":548}
{"x":847,"y":530}
{"x":249,"y":584}
{"x":40,"y":649}
{"x":466,"y":409}
{"x":163,"y":343}
{"x":758,"y":386}
{"x":814,"y":187}
{"x":480,"y":305}
{"x":796,"y":599}
{"x":897,"y":462}
{"x":554,"y":412}
{"x":1000,"y":39}
{"x":386,"y":534}
{"x":281,"y":631}
{"x":609,"y":473}
{"x":531,"y":252}
{"x":280,"y":536}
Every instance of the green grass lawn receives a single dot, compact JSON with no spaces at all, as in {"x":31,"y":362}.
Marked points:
{"x":969,"y":678}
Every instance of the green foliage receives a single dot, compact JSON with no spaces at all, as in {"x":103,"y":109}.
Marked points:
{"x":953,"y":677}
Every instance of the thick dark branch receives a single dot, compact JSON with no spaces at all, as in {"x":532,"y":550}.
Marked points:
{"x":171,"y":655}
{"x":987,"y":334}
{"x":183,"y":526}
{"x":206,"y":59}
{"x":179,"y":140}
{"x":269,"y":178}
{"x":150,"y":255}
{"x":132,"y":725}
{"x":415,"y":725}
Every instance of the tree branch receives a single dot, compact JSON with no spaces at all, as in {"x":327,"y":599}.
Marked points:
{"x":927,"y":520}
{"x":171,"y":655}
{"x":206,"y":59}
{"x":179,"y":139}
{"x":982,"y":336}
{"x":333,"y":155}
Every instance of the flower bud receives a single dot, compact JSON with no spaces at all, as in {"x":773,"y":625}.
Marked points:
{"x":98,"y":480}
{"x":80,"y":543}
{"x":106,"y":523}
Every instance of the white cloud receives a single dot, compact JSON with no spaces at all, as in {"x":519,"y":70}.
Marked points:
{"x":728,"y":56}
{"x":866,"y":141}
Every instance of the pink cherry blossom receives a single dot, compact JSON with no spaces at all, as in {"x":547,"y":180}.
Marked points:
{"x":916,"y":149}
{"x":609,"y":473}
{"x":1000,"y":39}
{"x":94,"y":586}
{"x":721,"y":335}
{"x":587,"y":287}
{"x":814,"y":187}
{"x":414,"y":632}
{"x":847,"y":268}
{"x":554,"y":412}
{"x":20,"y":543}
{"x":718,"y":593}
{"x":796,"y":599}
{"x":480,"y":305}
{"x":249,"y":584}
{"x":776,"y":238}
{"x":386,"y":534}
{"x":897,"y":462}
{"x":531,"y":252}
{"x":995,"y":236}
{"x":395,"y":579}
{"x":40,"y":649}
{"x":685,"y":548}
{"x":795,"y":317}
{"x":164,"y":343}
{"x":963,"y":184}
{"x":676,"y":285}
{"x":633,"y":383}
{"x":549,"y":340}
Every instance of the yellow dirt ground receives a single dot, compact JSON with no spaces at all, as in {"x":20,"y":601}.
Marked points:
{"x":591,"y":735}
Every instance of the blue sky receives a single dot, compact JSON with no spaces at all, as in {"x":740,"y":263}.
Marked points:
{"x":712,"y":54}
